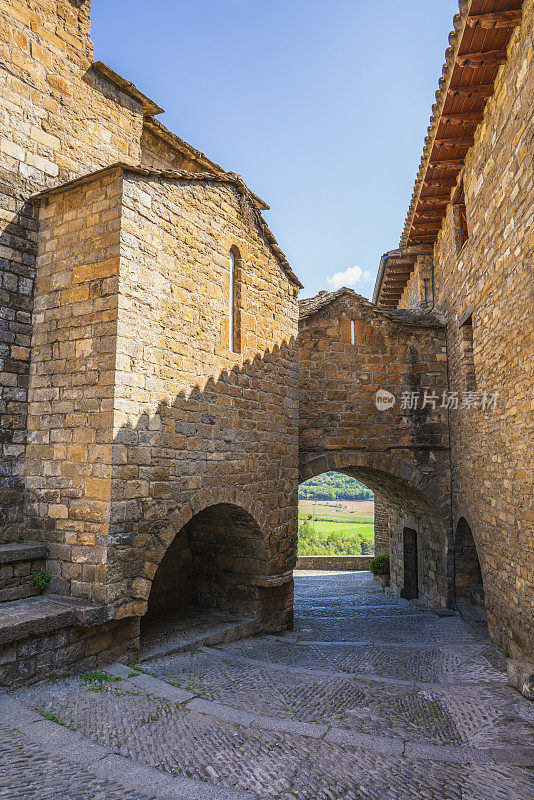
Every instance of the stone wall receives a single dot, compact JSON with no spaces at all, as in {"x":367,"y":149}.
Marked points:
{"x":158,"y":153}
{"x":399,"y":453}
{"x":197,"y":424}
{"x":70,"y":422}
{"x":414,"y":294}
{"x":48,"y":652}
{"x":381,"y":525}
{"x":140,"y":414}
{"x":356,"y":563}
{"x":492,"y":453}
{"x":58,"y":118}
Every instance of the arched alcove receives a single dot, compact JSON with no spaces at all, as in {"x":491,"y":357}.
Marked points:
{"x":468,"y":584}
{"x":215,"y":561}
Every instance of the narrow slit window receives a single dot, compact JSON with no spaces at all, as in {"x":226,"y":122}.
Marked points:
{"x":352,"y":332}
{"x":234,"y":303}
{"x":231,"y":304}
{"x":462,"y":218}
{"x":463,"y":231}
{"x":467,"y":349}
{"x":428,"y":290}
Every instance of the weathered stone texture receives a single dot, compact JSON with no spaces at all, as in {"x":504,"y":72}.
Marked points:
{"x":58,"y":119}
{"x":195,"y":423}
{"x":71,"y":397}
{"x":159,"y":154}
{"x":414,"y":294}
{"x":18,"y":564}
{"x":52,"y":652}
{"x":153,"y":450}
{"x":492,"y":450}
{"x":381,"y":527}
{"x":342,"y":563}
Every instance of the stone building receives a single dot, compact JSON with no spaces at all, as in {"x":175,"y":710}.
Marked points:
{"x":467,"y":252}
{"x":150,"y":372}
{"x":349,"y":350}
{"x":156,"y":409}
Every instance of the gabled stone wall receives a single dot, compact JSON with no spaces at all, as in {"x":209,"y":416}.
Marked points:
{"x":195,"y":423}
{"x":140,"y":414}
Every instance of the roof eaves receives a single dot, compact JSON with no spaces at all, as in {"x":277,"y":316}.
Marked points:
{"x":158,"y":129}
{"x":428,"y":319}
{"x":455,"y":39}
{"x":380,"y":275}
{"x":149,"y":106}
{"x":311,"y":305}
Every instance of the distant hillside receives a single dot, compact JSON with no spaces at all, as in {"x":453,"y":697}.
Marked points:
{"x":334,"y":486}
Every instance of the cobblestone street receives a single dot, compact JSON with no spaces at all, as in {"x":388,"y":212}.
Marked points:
{"x":369,"y":698}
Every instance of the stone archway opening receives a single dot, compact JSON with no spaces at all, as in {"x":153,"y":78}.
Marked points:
{"x":407,"y":523}
{"x":468,"y":583}
{"x":214,"y":574}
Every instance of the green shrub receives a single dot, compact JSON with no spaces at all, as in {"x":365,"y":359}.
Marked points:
{"x":41,"y":580}
{"x":380,"y":565}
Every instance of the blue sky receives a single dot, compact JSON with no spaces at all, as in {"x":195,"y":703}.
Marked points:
{"x":321,"y":105}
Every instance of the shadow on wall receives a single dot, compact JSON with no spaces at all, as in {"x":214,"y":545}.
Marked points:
{"x":209,"y":563}
{"x":204,"y":495}
{"x":418,"y":537}
{"x":17,"y":279}
{"x":468,"y":582}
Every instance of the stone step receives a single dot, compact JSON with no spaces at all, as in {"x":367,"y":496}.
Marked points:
{"x":40,"y":634}
{"x":193,"y":627}
{"x":475,"y":616}
{"x":34,"y":616}
{"x":19,"y":561}
{"x":475,"y":593}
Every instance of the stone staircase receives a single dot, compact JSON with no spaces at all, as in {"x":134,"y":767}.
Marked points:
{"x":18,"y":564}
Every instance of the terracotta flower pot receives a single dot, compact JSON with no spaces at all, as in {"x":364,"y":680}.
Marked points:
{"x":384,"y":580}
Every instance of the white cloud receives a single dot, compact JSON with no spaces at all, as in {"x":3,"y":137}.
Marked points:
{"x":350,"y":277}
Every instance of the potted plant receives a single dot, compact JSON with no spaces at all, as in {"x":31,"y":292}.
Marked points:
{"x":379,"y":567}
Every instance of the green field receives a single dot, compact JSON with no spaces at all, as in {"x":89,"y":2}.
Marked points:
{"x":336,"y":524}
{"x":329,"y":530}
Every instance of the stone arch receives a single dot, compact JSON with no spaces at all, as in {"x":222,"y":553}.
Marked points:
{"x":468,"y":581}
{"x":377,"y":465}
{"x":413,"y":502}
{"x":215,"y":552}
{"x":163,"y":533}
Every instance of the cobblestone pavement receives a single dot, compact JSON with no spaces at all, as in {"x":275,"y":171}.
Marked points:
{"x":369,"y":698}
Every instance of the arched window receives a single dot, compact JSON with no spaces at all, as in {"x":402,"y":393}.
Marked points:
{"x":234,"y":311}
{"x":231,"y":309}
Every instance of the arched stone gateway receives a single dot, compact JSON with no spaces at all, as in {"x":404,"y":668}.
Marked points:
{"x":410,"y":505}
{"x":352,"y":356}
